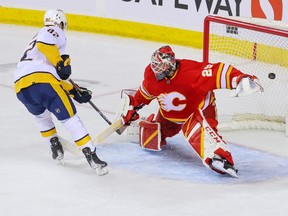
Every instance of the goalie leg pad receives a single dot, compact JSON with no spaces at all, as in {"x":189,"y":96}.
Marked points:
{"x":150,"y":135}
{"x":204,"y":139}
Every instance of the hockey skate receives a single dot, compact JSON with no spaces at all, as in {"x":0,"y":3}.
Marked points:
{"x":57,"y":149}
{"x":222,"y":166}
{"x":94,"y":162}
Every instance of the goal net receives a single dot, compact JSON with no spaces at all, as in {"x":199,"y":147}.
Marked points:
{"x":258,"y":47}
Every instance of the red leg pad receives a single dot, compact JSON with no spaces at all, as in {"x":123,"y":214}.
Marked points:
{"x":149,"y":135}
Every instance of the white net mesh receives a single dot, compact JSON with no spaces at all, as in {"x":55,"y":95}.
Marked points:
{"x":252,"y":51}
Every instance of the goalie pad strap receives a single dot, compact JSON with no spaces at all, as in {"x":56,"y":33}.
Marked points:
{"x":149,"y":135}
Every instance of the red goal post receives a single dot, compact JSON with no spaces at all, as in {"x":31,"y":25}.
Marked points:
{"x":255,"y":46}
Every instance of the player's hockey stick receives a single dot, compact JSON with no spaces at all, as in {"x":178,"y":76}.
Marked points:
{"x":74,"y":149}
{"x":93,"y":105}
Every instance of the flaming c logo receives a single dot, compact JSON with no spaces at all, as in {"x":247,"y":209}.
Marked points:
{"x":258,"y":5}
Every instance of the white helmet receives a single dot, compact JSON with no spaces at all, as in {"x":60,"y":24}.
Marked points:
{"x":55,"y":18}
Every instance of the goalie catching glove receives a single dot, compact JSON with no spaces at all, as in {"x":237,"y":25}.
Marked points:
{"x":246,"y":85}
{"x":81,"y":95}
{"x":63,"y":67}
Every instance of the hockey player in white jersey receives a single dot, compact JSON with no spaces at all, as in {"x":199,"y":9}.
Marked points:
{"x":40,"y":86}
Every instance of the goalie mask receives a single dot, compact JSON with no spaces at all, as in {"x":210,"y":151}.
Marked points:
{"x":163,"y":62}
{"x":55,"y":18}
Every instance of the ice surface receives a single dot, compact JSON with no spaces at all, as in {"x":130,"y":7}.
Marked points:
{"x":172,"y":182}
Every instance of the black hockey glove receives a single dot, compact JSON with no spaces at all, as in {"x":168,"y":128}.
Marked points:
{"x":81,"y":96}
{"x":63,"y":67}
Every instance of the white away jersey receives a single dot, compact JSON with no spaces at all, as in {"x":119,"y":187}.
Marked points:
{"x":33,"y":60}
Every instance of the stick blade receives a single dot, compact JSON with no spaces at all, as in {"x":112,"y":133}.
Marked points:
{"x":108,"y":131}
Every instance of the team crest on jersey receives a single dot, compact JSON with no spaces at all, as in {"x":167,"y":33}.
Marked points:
{"x":172,"y":101}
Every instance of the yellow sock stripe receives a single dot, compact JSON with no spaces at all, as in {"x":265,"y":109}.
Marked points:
{"x":64,"y":98}
{"x":83,"y":140}
{"x":48,"y":133}
{"x":150,"y":138}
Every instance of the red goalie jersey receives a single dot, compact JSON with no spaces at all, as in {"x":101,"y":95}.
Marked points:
{"x":191,"y":87}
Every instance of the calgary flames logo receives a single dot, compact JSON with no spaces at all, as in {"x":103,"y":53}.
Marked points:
{"x":172,"y":101}
{"x":260,"y":9}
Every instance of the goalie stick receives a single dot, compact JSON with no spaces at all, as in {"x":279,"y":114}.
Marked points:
{"x":108,"y":131}
{"x":112,"y":128}
{"x":93,"y":105}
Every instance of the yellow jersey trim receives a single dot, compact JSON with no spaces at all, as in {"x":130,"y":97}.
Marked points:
{"x":34,"y":78}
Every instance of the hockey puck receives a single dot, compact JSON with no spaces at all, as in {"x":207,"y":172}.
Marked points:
{"x":271,"y":75}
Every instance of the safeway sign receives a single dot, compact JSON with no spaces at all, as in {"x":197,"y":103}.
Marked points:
{"x":189,"y":14}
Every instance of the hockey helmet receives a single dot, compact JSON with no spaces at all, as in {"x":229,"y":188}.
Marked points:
{"x":55,"y":18}
{"x":163,"y":61}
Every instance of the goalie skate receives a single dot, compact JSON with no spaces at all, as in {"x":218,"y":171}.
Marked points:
{"x":223,"y":166}
{"x":95,"y":163}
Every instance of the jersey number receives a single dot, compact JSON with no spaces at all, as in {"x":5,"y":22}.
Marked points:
{"x":55,"y":34}
{"x":207,"y":72}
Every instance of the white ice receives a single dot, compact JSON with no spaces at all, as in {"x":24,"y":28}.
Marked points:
{"x":172,"y":182}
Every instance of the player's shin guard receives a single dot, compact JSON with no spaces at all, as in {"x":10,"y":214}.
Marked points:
{"x":204,"y":140}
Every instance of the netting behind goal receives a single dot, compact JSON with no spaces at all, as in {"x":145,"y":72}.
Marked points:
{"x":255,"y":46}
